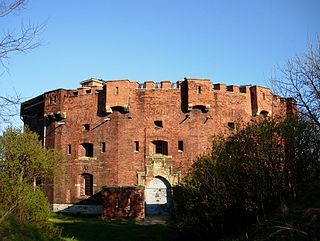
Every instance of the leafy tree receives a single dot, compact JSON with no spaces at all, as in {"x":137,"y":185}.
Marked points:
{"x":247,"y":175}
{"x":22,"y":158}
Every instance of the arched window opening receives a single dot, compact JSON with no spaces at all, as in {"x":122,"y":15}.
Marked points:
{"x":160,"y":147}
{"x":87,"y":184}
{"x":264,"y":113}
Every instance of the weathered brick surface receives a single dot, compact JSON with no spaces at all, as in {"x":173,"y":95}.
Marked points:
{"x":123,"y":202}
{"x":121,"y":113}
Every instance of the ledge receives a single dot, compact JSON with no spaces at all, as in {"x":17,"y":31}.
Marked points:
{"x":86,"y":158}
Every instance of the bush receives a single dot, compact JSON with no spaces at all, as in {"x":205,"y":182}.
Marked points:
{"x":247,"y":175}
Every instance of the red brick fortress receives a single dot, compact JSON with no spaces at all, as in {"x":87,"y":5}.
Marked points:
{"x":123,"y":133}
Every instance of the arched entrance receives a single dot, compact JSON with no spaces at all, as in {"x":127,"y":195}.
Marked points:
{"x":158,"y":197}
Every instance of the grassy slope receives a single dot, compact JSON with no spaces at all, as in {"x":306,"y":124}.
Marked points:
{"x":83,"y":229}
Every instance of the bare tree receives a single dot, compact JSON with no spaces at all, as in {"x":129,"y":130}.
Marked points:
{"x":300,"y":79}
{"x":11,"y":42}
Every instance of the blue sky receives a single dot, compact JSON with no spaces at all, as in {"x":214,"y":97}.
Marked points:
{"x":232,"y":42}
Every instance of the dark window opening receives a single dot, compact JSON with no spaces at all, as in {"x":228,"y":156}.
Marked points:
{"x":86,"y":127}
{"x":103,"y":147}
{"x":69,"y":149}
{"x":88,"y":149}
{"x":160,"y":147}
{"x":231,"y":125}
{"x":180,"y":145}
{"x":158,"y":123}
{"x":263,"y":96}
{"x":88,"y":184}
{"x":88,"y":91}
{"x":121,"y":109}
{"x":75,"y":93}
{"x":198,"y":89}
{"x":116,"y":92}
{"x":136,"y":146}
{"x":264,"y":113}
{"x":38,"y":181}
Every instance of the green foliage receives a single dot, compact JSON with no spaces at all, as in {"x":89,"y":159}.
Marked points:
{"x":247,"y":175}
{"x":24,"y":207}
{"x":23,"y":158}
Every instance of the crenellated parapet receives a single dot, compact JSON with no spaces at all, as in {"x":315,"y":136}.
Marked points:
{"x":195,"y":93}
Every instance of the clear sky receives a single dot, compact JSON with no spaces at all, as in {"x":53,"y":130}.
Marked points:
{"x":232,"y":41}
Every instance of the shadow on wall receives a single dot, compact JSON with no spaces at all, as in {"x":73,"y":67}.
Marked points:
{"x":91,"y":205}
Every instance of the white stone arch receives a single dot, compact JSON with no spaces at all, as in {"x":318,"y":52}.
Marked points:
{"x":158,"y":196}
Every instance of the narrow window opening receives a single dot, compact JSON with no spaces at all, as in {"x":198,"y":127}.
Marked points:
{"x":103,"y":147}
{"x":38,"y":181}
{"x":88,"y":149}
{"x":136,"y":146}
{"x":116,"y":92}
{"x":180,"y":146}
{"x":69,"y":149}
{"x":263,"y":96}
{"x":88,"y":184}
{"x":198,"y":89}
{"x":86,"y":127}
{"x":158,"y":123}
{"x":231,"y":125}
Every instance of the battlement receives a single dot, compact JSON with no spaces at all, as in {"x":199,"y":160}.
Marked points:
{"x":194,"y":93}
{"x":98,"y":84}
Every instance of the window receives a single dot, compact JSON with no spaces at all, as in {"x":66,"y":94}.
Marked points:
{"x":88,"y":184}
{"x":75,"y":93}
{"x":198,"y":89}
{"x":69,"y":149}
{"x":263,"y":96}
{"x":86,"y":127}
{"x":180,"y":146}
{"x":136,"y":146}
{"x":87,"y":149}
{"x":38,"y":181}
{"x":231,"y":125}
{"x":160,"y":147}
{"x":158,"y":123}
{"x":88,"y":92}
{"x":116,"y":91}
{"x":103,"y":147}
{"x":264,"y":113}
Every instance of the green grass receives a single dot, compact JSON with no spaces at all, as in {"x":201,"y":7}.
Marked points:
{"x":91,"y":229}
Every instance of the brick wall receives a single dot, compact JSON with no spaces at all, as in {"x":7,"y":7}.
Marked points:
{"x":121,"y":115}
